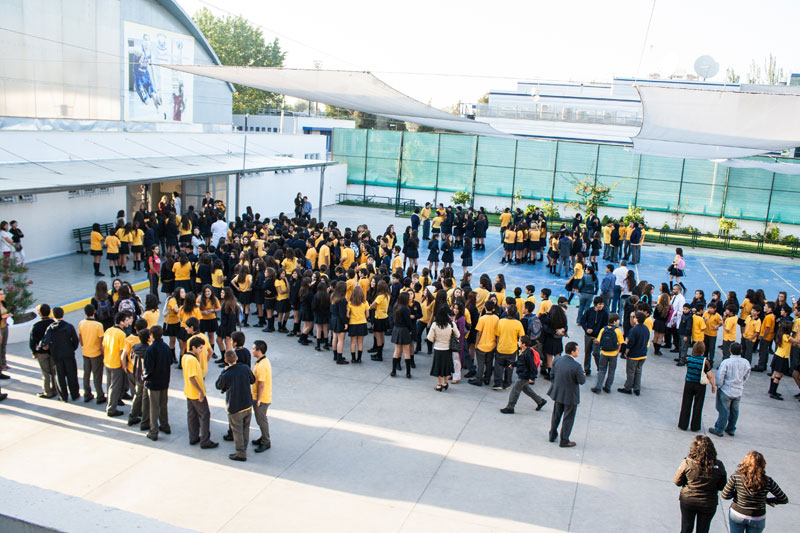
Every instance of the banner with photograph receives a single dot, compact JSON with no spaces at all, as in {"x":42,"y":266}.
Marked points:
{"x":151,"y":93}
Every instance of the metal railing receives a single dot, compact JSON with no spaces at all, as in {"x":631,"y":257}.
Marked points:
{"x":566,"y":114}
{"x":400,"y":205}
{"x":697,"y":239}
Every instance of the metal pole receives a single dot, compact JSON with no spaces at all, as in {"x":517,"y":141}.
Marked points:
{"x":680,"y":187}
{"x":399,"y":174}
{"x":514,"y":176}
{"x":725,"y":192}
{"x":636,"y":193}
{"x":555,"y":165}
{"x":436,"y":183}
{"x":321,"y":189}
{"x":769,"y":206}
{"x":244,"y":166}
{"x":596,"y":164}
{"x":474,"y":172}
{"x":366,"y":151}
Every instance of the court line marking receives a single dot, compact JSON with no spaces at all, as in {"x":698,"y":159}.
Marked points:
{"x":785,"y":281}
{"x":475,"y":268}
{"x":713,"y":278}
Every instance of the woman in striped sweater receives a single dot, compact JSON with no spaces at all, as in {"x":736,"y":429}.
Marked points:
{"x":749,"y":487}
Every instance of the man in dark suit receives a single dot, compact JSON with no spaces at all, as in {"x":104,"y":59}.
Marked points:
{"x":61,"y":340}
{"x":565,"y":391}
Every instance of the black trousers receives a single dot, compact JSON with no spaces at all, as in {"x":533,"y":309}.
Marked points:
{"x":568,"y":413}
{"x":691,"y":514}
{"x":67,"y":377}
{"x":693,"y":396}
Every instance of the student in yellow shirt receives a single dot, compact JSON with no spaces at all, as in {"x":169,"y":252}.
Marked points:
{"x":193,"y":331}
{"x":324,"y":254}
{"x":546,"y":304}
{"x":209,"y":306}
{"x":243,"y":283}
{"x":137,"y":246}
{"x":766,"y":336}
{"x":183,"y":273}
{"x":508,"y":331}
{"x":90,"y":334}
{"x":713,"y":322}
{"x":188,"y":310}
{"x":262,"y":393}
{"x":357,"y":310}
{"x":729,"y":321}
{"x":96,"y":248}
{"x":607,"y":241}
{"x":194,"y":388}
{"x":505,"y":222}
{"x":113,"y":344}
{"x":780,"y":363}
{"x":509,"y":243}
{"x":381,"y":322}
{"x":125,"y":235}
{"x":436,"y":227}
{"x":112,"y":245}
{"x":282,"y":301}
{"x":425,"y":216}
{"x":151,"y":313}
{"x":171,"y":319}
{"x":745,"y":308}
{"x":610,"y":339}
{"x":752,"y":328}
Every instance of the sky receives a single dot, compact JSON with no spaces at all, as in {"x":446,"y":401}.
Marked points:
{"x":442,"y":52}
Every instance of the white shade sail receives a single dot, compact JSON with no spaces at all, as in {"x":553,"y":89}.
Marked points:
{"x":360,"y":91}
{"x":708,"y":124}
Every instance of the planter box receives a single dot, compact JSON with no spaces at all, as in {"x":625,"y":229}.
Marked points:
{"x":20,"y":332}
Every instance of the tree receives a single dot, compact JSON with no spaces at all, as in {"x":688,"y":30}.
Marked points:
{"x":239,"y":43}
{"x":731,"y":76}
{"x":484,"y":99}
{"x":592,"y":195}
{"x":15,"y":282}
{"x":771,"y":74}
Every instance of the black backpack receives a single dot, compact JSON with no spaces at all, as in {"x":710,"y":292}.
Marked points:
{"x":608,"y":340}
{"x":104,"y":310}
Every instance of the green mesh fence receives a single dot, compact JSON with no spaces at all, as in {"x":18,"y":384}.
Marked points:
{"x":548,"y":170}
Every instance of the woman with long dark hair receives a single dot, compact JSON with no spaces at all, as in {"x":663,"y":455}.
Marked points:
{"x":209,"y":306}
{"x":701,"y":476}
{"x":228,"y":319}
{"x":694,"y":390}
{"x":306,"y":298}
{"x":380,"y":323}
{"x":401,"y":334}
{"x":554,"y":328}
{"x":441,"y":331}
{"x":339,"y":321}
{"x":321,"y":307}
{"x":357,"y":311}
{"x":749,"y":487}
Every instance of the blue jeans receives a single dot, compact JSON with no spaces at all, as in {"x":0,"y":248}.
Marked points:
{"x":563,"y":261}
{"x":606,"y":251}
{"x":584,"y":303}
{"x":728,"y":409}
{"x":615,"y":254}
{"x":615,"y":301}
{"x":626,"y":249}
{"x":745,"y":525}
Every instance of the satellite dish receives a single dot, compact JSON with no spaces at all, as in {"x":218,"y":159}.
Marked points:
{"x":706,"y":67}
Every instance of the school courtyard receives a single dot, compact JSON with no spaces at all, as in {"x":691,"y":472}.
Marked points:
{"x":356,"y":450}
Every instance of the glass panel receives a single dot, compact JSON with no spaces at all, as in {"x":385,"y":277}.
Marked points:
{"x":494,"y":181}
{"x":384,"y":144}
{"x":457,"y":149}
{"x":786,"y":182}
{"x":349,"y":142}
{"x":355,"y":168}
{"x":578,"y":159}
{"x":661,"y":168}
{"x":537,"y":155}
{"x":703,"y":171}
{"x":750,"y":178}
{"x":657,"y":195}
{"x":702,"y":199}
{"x":749,"y":203}
{"x":535,"y":184}
{"x":455,"y":177}
{"x":419,"y":174}
{"x":420,"y":146}
{"x":496,"y":152}
{"x":617,"y":168}
{"x":382,"y":171}
{"x":785,"y":207}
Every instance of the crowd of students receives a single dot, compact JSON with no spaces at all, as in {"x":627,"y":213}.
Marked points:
{"x":339,"y":286}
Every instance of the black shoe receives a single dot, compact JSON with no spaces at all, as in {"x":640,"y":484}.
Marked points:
{"x":775,"y":396}
{"x":262,"y":448}
{"x":43,"y":395}
{"x":268,"y":330}
{"x":606,"y":389}
{"x":165,"y":430}
{"x":115,"y":413}
{"x":476,"y":382}
{"x":144,"y":428}
{"x":99,"y":274}
{"x":595,"y":390}
{"x":133,"y":421}
{"x":86,"y":399}
{"x":507,"y":410}
{"x":470,"y":374}
{"x":587,"y":372}
{"x":127,"y":396}
{"x":541,"y":404}
{"x":677,"y":359}
{"x":636,"y":392}
{"x":680,"y":363}
{"x":623,"y":390}
{"x":758,"y":369}
{"x":192,"y":442}
{"x":228,"y":437}
{"x":209,"y":445}
{"x":4,"y":376}
{"x":729,"y":432}
{"x":342,"y":361}
{"x":152,"y":437}
{"x":3,"y":396}
{"x":674,"y":350}
{"x":713,"y":431}
{"x":236,"y":457}
{"x":101,"y":399}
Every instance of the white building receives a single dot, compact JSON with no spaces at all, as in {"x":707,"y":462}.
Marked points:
{"x":291,"y":123}
{"x":90,"y":124}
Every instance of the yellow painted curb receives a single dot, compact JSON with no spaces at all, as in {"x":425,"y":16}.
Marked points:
{"x":80,"y":304}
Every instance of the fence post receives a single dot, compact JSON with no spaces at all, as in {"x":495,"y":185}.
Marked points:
{"x":769,"y":205}
{"x":596,"y":164}
{"x":514,"y":176}
{"x":725,"y":192}
{"x":636,"y":192}
{"x":438,"y":157}
{"x":399,"y":174}
{"x":555,"y":165}
{"x":366,"y":151}
{"x":474,"y":172}
{"x":680,"y":187}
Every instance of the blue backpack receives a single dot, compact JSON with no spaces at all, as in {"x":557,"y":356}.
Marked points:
{"x":104,"y":310}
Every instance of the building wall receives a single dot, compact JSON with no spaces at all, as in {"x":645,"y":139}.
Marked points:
{"x":48,"y":221}
{"x":82,"y":79}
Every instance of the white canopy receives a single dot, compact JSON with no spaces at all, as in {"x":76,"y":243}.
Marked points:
{"x":38,"y":161}
{"x":360,"y":91}
{"x":708,"y":124}
{"x":777,"y":167}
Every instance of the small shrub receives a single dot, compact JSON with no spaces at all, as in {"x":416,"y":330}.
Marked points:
{"x":16,"y":284}
{"x":461,"y":198}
